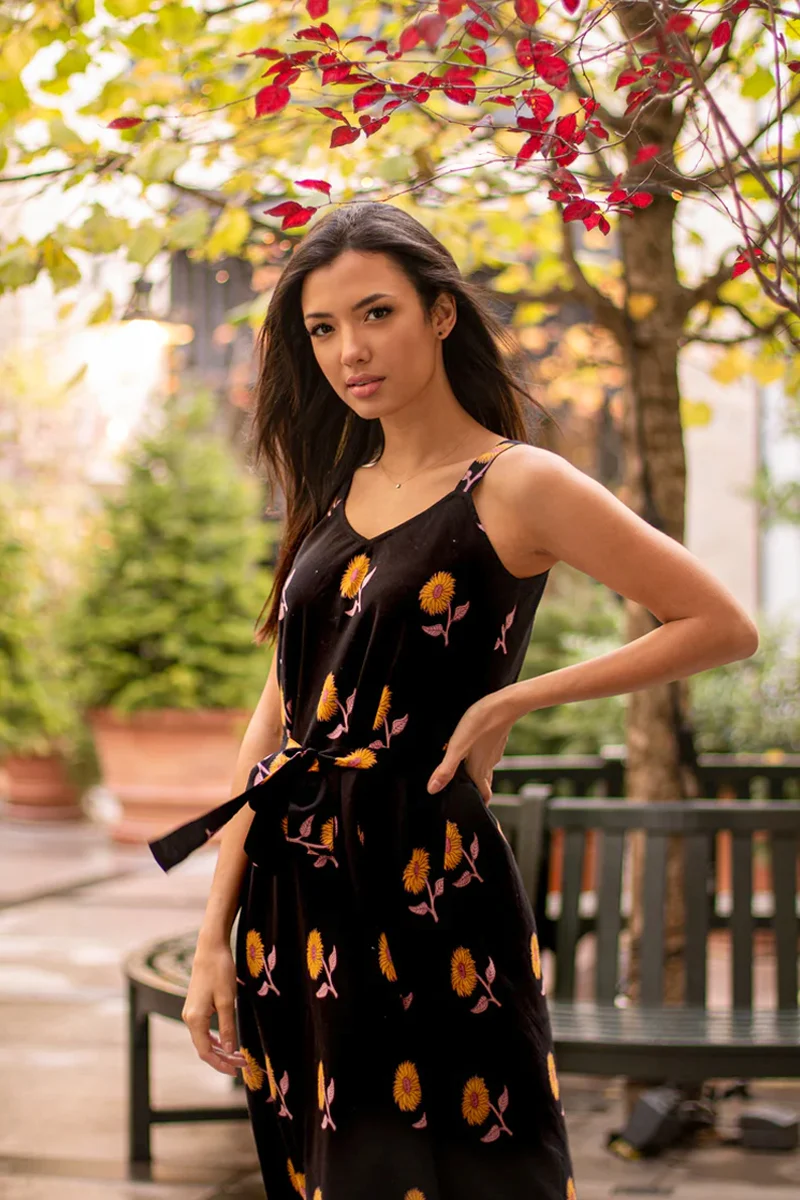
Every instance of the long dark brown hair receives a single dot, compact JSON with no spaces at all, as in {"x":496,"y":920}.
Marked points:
{"x":309,"y":440}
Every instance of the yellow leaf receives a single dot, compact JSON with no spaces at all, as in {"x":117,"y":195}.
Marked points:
{"x":104,"y":310}
{"x":769,"y":369}
{"x":695,"y":413}
{"x":731,"y":365}
{"x":512,"y":279}
{"x":229,"y":234}
{"x":641,"y":304}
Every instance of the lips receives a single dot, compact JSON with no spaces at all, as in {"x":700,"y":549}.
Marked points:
{"x":360,"y":380}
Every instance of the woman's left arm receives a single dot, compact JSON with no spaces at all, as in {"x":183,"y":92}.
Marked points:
{"x":565,"y":513}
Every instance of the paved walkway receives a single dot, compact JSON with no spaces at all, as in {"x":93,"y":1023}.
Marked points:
{"x":71,"y":907}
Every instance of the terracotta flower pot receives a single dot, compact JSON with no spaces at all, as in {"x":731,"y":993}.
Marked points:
{"x":38,"y":788}
{"x":166,"y":766}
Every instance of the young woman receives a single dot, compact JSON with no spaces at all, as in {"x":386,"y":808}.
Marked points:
{"x":392,"y":1029}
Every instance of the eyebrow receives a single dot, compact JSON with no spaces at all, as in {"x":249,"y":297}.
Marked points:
{"x":361,"y":304}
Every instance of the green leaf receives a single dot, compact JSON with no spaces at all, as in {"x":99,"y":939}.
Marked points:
{"x":189,"y":230}
{"x":63,"y":270}
{"x":759,"y":84}
{"x":144,"y":42}
{"x":159,"y":161}
{"x":102,"y":233}
{"x":104,"y":310}
{"x":18,"y":264}
{"x":13,"y":97}
{"x":85,"y":10}
{"x":229,"y":234}
{"x":76,"y":59}
{"x":127,"y":8}
{"x":177,"y":21}
{"x":144,"y":244}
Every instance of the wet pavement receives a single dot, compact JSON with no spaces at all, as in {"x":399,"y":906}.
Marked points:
{"x":72,"y":906}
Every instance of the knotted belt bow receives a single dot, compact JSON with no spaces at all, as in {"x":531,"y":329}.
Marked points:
{"x":280,"y":776}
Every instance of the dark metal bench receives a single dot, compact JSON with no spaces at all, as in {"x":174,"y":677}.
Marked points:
{"x":158,"y":979}
{"x":690,"y":1043}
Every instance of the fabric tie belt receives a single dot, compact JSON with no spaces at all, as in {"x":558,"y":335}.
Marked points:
{"x":278,"y":779}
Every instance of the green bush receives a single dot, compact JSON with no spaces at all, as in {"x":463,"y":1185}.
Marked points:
{"x":168,"y":610}
{"x":752,"y":705}
{"x":36,"y":716}
{"x":581,"y":619}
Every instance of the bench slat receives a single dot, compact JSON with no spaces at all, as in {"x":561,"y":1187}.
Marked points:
{"x":742,"y":920}
{"x":652,"y":949}
{"x":568,"y":925}
{"x":608,"y":917}
{"x":784,"y":883}
{"x":697,"y":853}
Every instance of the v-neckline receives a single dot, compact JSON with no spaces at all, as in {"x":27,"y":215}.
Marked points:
{"x":454,"y":491}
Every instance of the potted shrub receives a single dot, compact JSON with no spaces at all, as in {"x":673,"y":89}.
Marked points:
{"x":40,"y":735}
{"x":163,"y":629}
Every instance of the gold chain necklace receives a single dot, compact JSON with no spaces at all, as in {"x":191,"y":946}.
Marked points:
{"x":427,"y":466}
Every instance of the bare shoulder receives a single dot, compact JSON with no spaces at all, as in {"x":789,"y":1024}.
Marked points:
{"x":564,"y":513}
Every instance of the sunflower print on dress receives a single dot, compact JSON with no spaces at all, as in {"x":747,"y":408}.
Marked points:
{"x":252,"y":1071}
{"x":316,"y":963}
{"x":385,"y":959}
{"x":551,"y":1071}
{"x":381,"y":718}
{"x":476,"y":1105}
{"x":355,"y":578}
{"x":434,"y":599}
{"x":464,"y":978}
{"x":325,"y":1094}
{"x":415,"y":880}
{"x":297,"y":1179}
{"x":407,"y":1091}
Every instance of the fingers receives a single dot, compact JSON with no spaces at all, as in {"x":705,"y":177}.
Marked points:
{"x":443,"y":773}
{"x":198,"y":1023}
{"x":227,"y":1026}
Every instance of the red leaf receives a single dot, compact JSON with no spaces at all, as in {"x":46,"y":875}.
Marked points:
{"x":566,"y":126}
{"x":462,"y":92}
{"x":578,"y":209}
{"x":319,"y":185}
{"x":431,"y":27}
{"x":740,"y":6}
{"x":336,"y":73}
{"x":125,"y":122}
{"x":271,"y":99}
{"x":641,"y":199}
{"x":628,"y":77}
{"x":476,"y":54}
{"x":527,"y":11}
{"x":285,"y":209}
{"x":739,"y":268}
{"x":616,"y":195}
{"x":571,"y":6}
{"x":645,"y":153}
{"x":409,"y":39}
{"x":476,"y":30}
{"x":604,"y":226}
{"x":636,"y":98}
{"x":343,"y":135}
{"x":794,"y":66}
{"x":262,"y":52}
{"x":678,"y":23}
{"x":316,"y":8}
{"x":597,"y":129}
{"x":509,"y":103}
{"x":286,"y":78}
{"x":530,"y":147}
{"x":369,"y":95}
{"x":540,"y":103}
{"x":553,"y":69}
{"x":721,"y":35}
{"x":333,"y":113}
{"x":524,"y":53}
{"x":450,"y":8}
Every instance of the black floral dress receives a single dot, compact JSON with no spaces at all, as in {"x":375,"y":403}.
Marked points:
{"x":390,"y":1006}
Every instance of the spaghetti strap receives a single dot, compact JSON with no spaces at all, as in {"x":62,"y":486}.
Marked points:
{"x":481,"y":464}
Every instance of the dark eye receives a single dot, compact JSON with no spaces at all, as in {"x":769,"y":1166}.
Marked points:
{"x":324,"y":325}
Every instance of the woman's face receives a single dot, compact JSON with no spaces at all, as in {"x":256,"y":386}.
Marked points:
{"x":386,"y":337}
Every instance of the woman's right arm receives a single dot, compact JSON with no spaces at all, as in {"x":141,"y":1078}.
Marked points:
{"x":212,"y":987}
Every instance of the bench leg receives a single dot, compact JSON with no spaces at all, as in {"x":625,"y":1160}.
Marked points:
{"x":138,"y":1082}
